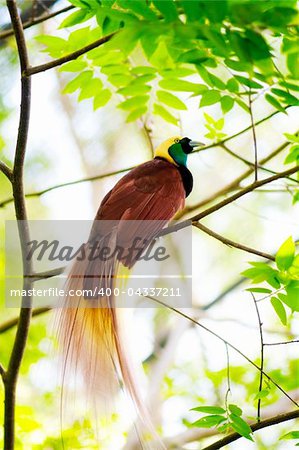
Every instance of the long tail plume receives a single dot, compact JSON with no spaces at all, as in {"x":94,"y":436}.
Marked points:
{"x":92,"y":337}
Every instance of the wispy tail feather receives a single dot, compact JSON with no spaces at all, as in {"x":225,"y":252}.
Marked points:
{"x":92,"y":338}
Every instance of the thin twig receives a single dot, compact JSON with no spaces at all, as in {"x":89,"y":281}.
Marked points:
{"x":253,"y":164}
{"x":294,"y":341}
{"x":224,"y":294}
{"x":239,"y":133}
{"x":254,"y":137}
{"x":6,"y":326}
{"x":231,"y":243}
{"x":6,"y":170}
{"x":11,"y":375}
{"x":194,"y":321}
{"x":37,"y":20}
{"x":254,"y":427}
{"x":147,"y":132}
{"x":260,"y":324}
{"x":70,"y":57}
{"x":69,"y":183}
{"x":228,"y":391}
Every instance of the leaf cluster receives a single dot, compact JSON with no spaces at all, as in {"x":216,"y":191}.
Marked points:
{"x":218,"y":51}
{"x":283,"y":280}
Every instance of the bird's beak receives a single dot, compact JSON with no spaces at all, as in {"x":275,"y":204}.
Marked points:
{"x":195,"y":145}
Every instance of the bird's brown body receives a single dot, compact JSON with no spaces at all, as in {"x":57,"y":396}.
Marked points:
{"x":153,"y":191}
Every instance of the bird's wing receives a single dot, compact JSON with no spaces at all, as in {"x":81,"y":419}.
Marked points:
{"x":152,"y":191}
{"x":148,"y":197}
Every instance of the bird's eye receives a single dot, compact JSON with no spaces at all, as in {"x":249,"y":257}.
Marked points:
{"x":176,"y":141}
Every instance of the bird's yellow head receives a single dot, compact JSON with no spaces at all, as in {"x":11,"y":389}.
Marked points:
{"x":176,"y":149}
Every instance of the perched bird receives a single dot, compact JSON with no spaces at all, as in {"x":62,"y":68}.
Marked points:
{"x":91,"y":329}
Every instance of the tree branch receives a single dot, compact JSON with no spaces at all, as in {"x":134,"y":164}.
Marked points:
{"x":197,"y":434}
{"x":227,"y":201}
{"x":70,"y":57}
{"x":254,"y":427}
{"x":6,"y":170}
{"x":251,"y":164}
{"x":235,"y":183}
{"x":231,"y":243}
{"x":40,"y":19}
{"x":11,"y":375}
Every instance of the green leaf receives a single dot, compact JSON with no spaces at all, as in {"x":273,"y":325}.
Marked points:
{"x":291,"y":435}
{"x":191,"y":9}
{"x":234,"y":409}
{"x":285,"y":255}
{"x":293,"y":65}
{"x":294,"y":269}
{"x":240,"y":426}
{"x":134,"y":103}
{"x":181,"y":85}
{"x":274,"y":102}
{"x":78,"y":38}
{"x":293,"y":156}
{"x":278,"y":16}
{"x":248,"y":82}
{"x":258,"y":47}
{"x":161,"y":56}
{"x":77,"y":82}
{"x":165,"y":114}
{"x":139,"y":7}
{"x":167,"y":8}
{"x":227,"y":103}
{"x":210,"y":98}
{"x":141,"y":70}
{"x":170,"y":100}
{"x":143,"y":78}
{"x":219,"y":124}
{"x":240,"y":46}
{"x":119,"y":79}
{"x":56,"y":46}
{"x":292,"y":297}
{"x":134,"y":89}
{"x":292,"y":137}
{"x":279,"y":309}
{"x":237,"y":65}
{"x":101,"y":99}
{"x":232,"y":85}
{"x":262,"y":394}
{"x":289,"y":98}
{"x":76,"y":17}
{"x":136,"y":114}
{"x":90,"y":89}
{"x":209,"y":421}
{"x":73,"y":66}
{"x":177,"y":72}
{"x":113,"y":69}
{"x":262,"y":272}
{"x":209,"y":409}
{"x":290,"y":86}
{"x":295,"y":198}
{"x":216,"y":82}
{"x":259,"y":290}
